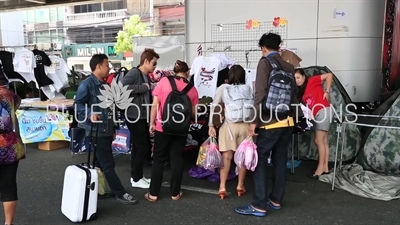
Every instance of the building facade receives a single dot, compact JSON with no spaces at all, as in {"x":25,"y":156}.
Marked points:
{"x":45,"y":27}
{"x":11,"y":34}
{"x":50,"y":28}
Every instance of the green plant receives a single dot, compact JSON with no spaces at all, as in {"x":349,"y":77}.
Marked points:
{"x":133,"y":27}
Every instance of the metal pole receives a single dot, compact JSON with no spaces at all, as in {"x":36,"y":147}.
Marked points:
{"x":339,"y":130}
{"x":152,"y":16}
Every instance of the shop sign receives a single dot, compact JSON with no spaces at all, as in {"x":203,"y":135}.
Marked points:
{"x":84,"y":52}
{"x":40,"y":126}
{"x":88,"y":50}
{"x":111,"y":51}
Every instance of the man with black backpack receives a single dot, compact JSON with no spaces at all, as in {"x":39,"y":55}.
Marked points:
{"x":275,"y":101}
{"x":137,"y":115}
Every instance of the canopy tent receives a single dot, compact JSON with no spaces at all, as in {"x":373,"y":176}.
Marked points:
{"x":380,"y":147}
{"x":338,"y":99}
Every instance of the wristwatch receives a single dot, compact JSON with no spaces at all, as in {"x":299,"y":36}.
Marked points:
{"x":326,"y":91}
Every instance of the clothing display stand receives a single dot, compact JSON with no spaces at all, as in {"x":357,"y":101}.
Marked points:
{"x":239,"y":40}
{"x":295,"y":147}
{"x":341,"y":131}
{"x":292,"y":156}
{"x":339,"y":136}
{"x":12,"y":50}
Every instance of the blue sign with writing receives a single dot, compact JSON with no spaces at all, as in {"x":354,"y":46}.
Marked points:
{"x":40,"y":126}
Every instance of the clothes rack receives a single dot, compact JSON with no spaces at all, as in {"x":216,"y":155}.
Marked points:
{"x":6,"y":48}
{"x":247,"y":56}
{"x":12,"y":48}
{"x":228,"y":49}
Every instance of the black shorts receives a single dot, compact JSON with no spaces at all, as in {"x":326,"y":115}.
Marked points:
{"x":8,"y":182}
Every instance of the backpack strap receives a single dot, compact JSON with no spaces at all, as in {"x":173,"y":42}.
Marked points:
{"x":140,"y":73}
{"x":123,"y":69}
{"x":172,"y":82}
{"x":187,"y":88}
{"x":274,"y":63}
{"x":174,"y":88}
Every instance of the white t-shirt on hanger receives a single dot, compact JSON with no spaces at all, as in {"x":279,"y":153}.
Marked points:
{"x":225,"y":60}
{"x":205,"y":71}
{"x":24,"y":63}
{"x":49,"y":91}
{"x":251,"y":77}
{"x":58,"y":72}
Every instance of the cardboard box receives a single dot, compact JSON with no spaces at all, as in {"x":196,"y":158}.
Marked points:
{"x":52,"y":145}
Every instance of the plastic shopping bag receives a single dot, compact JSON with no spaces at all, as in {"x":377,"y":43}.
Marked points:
{"x":102,"y":182}
{"x":213,"y":158}
{"x":202,"y":152}
{"x":122,"y":142}
{"x":246,"y":155}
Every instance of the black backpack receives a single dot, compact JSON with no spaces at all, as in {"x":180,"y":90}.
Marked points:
{"x":177,"y":110}
{"x":120,"y":74}
{"x":280,"y":91}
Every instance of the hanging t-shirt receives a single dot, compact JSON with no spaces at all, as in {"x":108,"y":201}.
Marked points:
{"x":42,"y":60}
{"x":205,"y":72}
{"x":1,"y":69}
{"x":8,"y":67}
{"x":251,"y":78}
{"x":6,"y":61}
{"x":24,"y":63}
{"x":223,"y":76}
{"x":49,"y":91}
{"x":58,"y":72}
{"x":226,"y":62}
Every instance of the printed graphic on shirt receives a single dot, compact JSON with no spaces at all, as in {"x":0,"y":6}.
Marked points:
{"x":205,"y":71}
{"x":206,"y":76}
{"x":24,"y":63}
{"x":309,"y":99}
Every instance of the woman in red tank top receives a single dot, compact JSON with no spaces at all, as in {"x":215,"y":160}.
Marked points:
{"x":316,"y":98}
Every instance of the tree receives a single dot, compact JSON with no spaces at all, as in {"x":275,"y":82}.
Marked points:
{"x":133,"y":27}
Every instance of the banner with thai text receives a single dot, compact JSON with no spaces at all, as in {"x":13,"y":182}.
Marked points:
{"x":42,"y":125}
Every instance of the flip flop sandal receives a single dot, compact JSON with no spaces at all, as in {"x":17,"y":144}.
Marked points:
{"x":176,"y":198}
{"x":148,"y":198}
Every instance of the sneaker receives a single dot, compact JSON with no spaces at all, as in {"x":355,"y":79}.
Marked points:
{"x":127,"y":199}
{"x":106,"y":195}
{"x":148,"y":180}
{"x":142,"y":183}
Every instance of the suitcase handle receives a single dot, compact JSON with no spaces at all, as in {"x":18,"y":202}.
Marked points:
{"x":93,"y":144}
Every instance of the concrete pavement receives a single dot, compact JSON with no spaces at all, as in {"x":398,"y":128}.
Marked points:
{"x":307,"y":201}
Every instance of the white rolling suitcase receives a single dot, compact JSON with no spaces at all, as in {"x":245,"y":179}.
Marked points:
{"x":79,"y":197}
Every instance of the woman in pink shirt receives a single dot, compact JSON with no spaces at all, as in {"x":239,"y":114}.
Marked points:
{"x":168,"y":144}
